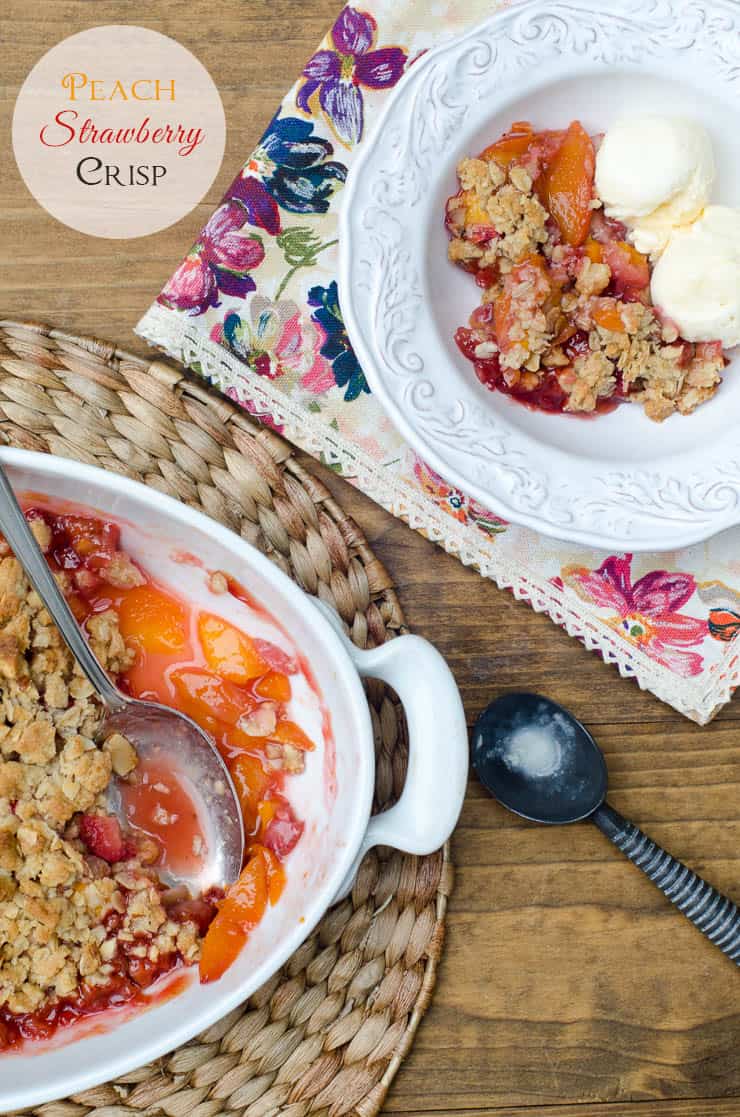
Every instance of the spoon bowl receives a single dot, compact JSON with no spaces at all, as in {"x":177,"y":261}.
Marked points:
{"x":168,"y":739}
{"x":538,"y":760}
{"x":541,"y":763}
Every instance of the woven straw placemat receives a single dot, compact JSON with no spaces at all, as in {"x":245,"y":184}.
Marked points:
{"x":327,"y":1033}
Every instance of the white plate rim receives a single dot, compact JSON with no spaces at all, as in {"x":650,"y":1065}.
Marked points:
{"x":673,"y":510}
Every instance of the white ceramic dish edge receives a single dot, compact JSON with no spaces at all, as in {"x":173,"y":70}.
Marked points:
{"x":420,"y":822}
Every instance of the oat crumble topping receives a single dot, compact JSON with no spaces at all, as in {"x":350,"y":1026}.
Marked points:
{"x":67,"y":917}
{"x":569,"y":316}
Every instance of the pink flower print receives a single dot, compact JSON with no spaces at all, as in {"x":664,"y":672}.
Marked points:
{"x":646,"y":612}
{"x":219,"y":262}
{"x":192,"y":287}
{"x":277,"y":342}
{"x":298,"y":344}
{"x":338,"y":75}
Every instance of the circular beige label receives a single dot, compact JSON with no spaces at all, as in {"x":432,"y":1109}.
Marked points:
{"x":118,"y":131}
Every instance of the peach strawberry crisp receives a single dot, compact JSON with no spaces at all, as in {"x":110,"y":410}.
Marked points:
{"x":565,"y":321}
{"x":86,"y":922}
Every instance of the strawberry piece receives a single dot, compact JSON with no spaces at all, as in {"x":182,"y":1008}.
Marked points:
{"x":629,"y":268}
{"x":485,"y":277}
{"x":65,"y":556}
{"x":482,"y":233}
{"x":283,"y":831}
{"x":103,"y":837}
{"x":482,"y":317}
{"x":78,"y":540}
{"x":568,"y":184}
{"x":605,"y":229}
{"x":710,"y":351}
{"x":199,"y":912}
{"x":467,"y":341}
{"x":568,"y":266}
{"x":689,"y":353}
{"x":276,"y":658}
{"x":455,"y":214}
{"x":541,"y":153}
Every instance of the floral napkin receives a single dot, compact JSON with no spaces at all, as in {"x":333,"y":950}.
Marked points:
{"x":254,"y":308}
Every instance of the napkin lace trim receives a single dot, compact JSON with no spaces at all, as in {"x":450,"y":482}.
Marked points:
{"x":181,"y":340}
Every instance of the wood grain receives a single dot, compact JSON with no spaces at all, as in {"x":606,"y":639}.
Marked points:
{"x":568,"y":987}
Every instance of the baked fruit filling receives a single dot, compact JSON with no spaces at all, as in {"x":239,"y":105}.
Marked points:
{"x":86,"y":923}
{"x":565,"y":321}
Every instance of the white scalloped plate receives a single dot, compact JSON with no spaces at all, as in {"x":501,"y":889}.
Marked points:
{"x":617,"y":481}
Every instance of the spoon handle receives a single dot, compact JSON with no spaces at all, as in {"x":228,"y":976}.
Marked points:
{"x":22,"y":542}
{"x":711,"y":912}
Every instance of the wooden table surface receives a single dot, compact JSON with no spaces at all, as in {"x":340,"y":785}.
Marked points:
{"x":569,"y":987}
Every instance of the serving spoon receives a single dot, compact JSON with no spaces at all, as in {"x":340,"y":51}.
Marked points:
{"x":542,"y":764}
{"x":158,"y":733}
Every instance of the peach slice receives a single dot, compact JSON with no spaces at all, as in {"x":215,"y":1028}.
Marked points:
{"x":153,"y":620}
{"x":512,"y":145}
{"x":288,"y":733}
{"x":275,"y":686}
{"x":594,"y":251}
{"x":228,"y":651}
{"x":568,"y":184}
{"x":606,"y":313}
{"x":239,"y":912}
{"x":204,"y":696}
{"x":276,"y":878}
{"x":252,"y":783}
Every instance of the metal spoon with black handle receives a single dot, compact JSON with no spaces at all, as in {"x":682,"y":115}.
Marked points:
{"x":541,"y":763}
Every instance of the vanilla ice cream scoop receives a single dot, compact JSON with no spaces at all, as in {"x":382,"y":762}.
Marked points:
{"x":654,"y":173}
{"x":696,"y":282}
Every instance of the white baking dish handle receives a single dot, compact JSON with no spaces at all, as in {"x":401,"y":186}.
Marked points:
{"x":430,"y":804}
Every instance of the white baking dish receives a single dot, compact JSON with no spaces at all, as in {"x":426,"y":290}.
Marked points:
{"x":338,"y":831}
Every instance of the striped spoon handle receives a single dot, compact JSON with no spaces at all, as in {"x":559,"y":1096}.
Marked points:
{"x":711,"y":912}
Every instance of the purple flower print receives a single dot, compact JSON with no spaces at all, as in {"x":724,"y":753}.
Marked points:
{"x":219,"y":263}
{"x":339,"y":74}
{"x":647,"y":612}
{"x":291,"y":169}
